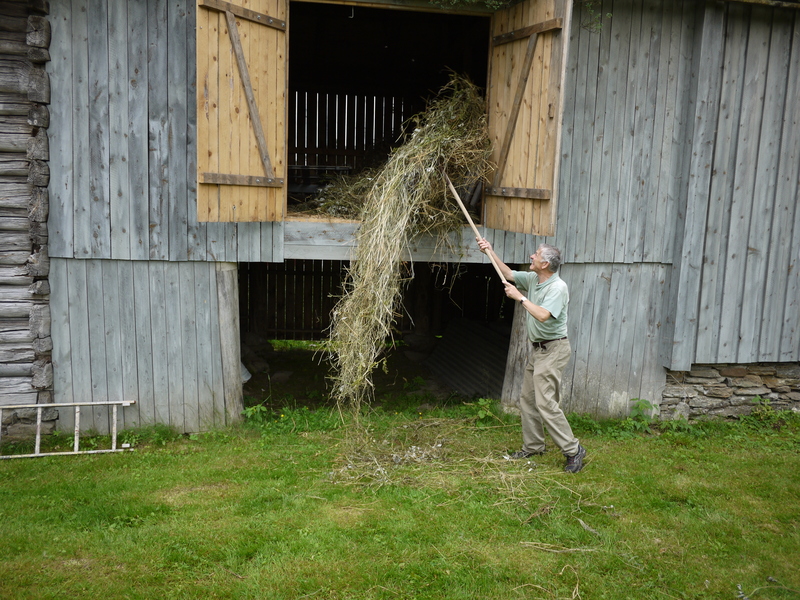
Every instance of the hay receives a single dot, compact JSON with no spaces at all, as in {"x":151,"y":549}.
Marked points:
{"x":404,"y":199}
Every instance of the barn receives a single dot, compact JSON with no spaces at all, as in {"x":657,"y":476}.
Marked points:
{"x":152,"y":155}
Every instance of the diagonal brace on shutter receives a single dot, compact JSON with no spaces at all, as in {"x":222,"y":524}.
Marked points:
{"x":231,"y":11}
{"x":532,"y":33}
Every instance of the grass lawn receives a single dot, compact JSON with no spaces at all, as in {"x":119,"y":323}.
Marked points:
{"x":409,"y":506}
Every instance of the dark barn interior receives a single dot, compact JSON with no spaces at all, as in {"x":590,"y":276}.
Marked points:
{"x":356,"y":75}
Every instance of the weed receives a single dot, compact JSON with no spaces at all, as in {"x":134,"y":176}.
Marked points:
{"x":290,"y":420}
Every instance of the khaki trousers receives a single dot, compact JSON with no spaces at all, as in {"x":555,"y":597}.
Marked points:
{"x":539,"y":401}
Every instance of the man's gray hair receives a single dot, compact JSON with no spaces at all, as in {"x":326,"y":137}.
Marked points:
{"x":550,"y":254}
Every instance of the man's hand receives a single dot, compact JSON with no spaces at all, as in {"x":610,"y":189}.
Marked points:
{"x":512,"y":292}
{"x":484,"y":245}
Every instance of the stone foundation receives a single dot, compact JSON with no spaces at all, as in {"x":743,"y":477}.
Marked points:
{"x":729,"y":390}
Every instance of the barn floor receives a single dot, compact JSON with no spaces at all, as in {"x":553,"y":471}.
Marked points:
{"x":296,"y":377}
{"x":421,"y":372}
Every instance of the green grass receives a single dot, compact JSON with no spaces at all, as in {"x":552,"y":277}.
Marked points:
{"x":411,"y":506}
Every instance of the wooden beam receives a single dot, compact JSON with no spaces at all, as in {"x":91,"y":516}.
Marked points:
{"x":518,"y":34}
{"x":244,"y":13}
{"x":248,"y":180}
{"x":530,"y":193}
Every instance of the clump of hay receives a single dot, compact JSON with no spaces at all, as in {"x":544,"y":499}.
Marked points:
{"x":407,"y":197}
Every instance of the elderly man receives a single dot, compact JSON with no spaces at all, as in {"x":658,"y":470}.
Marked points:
{"x":544,"y":295}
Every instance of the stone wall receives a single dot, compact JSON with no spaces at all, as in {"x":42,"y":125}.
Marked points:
{"x":730,"y":390}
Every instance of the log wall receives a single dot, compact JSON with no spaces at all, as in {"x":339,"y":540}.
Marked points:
{"x":26,"y":372}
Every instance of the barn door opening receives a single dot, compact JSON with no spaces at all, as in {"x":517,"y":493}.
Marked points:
{"x":357,"y":73}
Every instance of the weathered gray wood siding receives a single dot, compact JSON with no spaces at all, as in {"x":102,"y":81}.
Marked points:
{"x":123,"y":149}
{"x":737,"y":273}
{"x":679,"y":187}
{"x":627,"y":136}
{"x":138,"y":330}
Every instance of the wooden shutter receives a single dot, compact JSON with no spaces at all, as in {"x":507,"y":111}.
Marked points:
{"x":528,"y":56}
{"x":241,"y":110}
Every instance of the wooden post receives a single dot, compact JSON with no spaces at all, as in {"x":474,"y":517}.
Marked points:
{"x":229,"y":339}
{"x":518,"y":351}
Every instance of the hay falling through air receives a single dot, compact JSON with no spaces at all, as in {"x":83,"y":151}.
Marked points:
{"x":406,"y":198}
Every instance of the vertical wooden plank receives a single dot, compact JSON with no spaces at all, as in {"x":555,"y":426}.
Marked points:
{"x":689,"y":53}
{"x":573,"y":275}
{"x":578,"y":211}
{"x":230,"y":345}
{"x":177,"y":75}
{"x":196,"y":232}
{"x":128,"y":328}
{"x":609,"y":399}
{"x":633,"y":338}
{"x":207,"y":49}
{"x":79,"y":336}
{"x":158,"y":324}
{"x":217,"y":383}
{"x":763,"y":238}
{"x":630,"y":176}
{"x":614,"y":183}
{"x":661,"y":225}
{"x":119,"y":126}
{"x":660,"y":37}
{"x":62,"y":347}
{"x":113,"y":332}
{"x":189,"y":312}
{"x":227,"y":85}
{"x":647,"y":96}
{"x":158,"y":128}
{"x":687,"y":285}
{"x":138,"y":129}
{"x":720,"y":196}
{"x":60,"y":242}
{"x":205,"y":374}
{"x":731,"y":327}
{"x":215,"y":240}
{"x":81,"y":202}
{"x":653,"y":378}
{"x":602,"y":135}
{"x":146,"y":356}
{"x":97,"y":344}
{"x":786,"y":333}
{"x":566,"y":159}
{"x":99,"y":214}
{"x":175,"y":313}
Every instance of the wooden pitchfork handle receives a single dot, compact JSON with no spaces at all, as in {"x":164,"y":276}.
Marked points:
{"x":475,"y":229}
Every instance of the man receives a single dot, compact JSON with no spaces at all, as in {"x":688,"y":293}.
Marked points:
{"x":544,"y":295}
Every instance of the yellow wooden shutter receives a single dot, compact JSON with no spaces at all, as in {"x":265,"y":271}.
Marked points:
{"x":241,"y":110}
{"x":529,"y":47}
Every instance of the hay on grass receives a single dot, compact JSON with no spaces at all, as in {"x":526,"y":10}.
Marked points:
{"x":404,"y":199}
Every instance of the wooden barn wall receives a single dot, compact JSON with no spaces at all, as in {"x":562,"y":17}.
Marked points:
{"x":737,"y":295}
{"x":123,"y":139}
{"x":626,"y":137}
{"x":26,"y":375}
{"x":679,"y":181}
{"x":138,"y":330}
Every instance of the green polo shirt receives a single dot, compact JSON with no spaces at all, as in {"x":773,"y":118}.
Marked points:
{"x":552,"y":295}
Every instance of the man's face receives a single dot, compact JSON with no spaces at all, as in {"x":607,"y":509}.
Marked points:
{"x":537,"y":264}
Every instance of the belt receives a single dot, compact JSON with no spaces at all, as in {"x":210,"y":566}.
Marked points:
{"x":544,"y":343}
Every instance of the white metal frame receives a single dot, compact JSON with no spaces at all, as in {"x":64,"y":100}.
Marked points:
{"x":115,"y":404}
